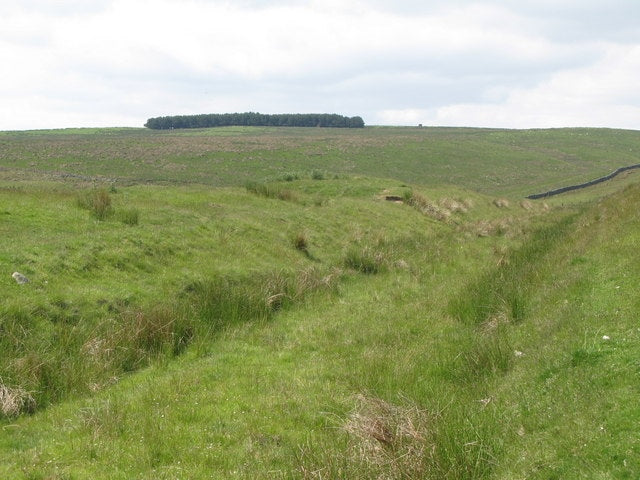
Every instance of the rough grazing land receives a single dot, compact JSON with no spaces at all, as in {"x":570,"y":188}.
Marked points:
{"x":245,"y":303}
{"x":490,"y":161}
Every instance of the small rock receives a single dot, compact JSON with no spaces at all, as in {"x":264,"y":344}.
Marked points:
{"x":20,"y":278}
{"x":606,"y":337}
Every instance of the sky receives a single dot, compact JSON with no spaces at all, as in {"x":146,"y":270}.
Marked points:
{"x":485,"y":63}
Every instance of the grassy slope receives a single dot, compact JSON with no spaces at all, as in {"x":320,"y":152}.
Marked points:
{"x":300,"y":394}
{"x":267,"y":390}
{"x":579,"y":379}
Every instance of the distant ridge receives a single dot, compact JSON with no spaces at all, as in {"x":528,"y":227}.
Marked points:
{"x":557,"y":191}
{"x":254,"y":119}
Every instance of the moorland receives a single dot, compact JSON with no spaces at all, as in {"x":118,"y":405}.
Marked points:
{"x":261,"y":302}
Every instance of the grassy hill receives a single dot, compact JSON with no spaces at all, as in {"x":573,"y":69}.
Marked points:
{"x":183,"y":323}
{"x":496,"y":162}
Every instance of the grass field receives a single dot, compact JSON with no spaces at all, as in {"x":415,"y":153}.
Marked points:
{"x":496,"y":162}
{"x":245,"y":303}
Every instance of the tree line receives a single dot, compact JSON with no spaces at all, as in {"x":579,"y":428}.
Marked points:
{"x":255,"y":120}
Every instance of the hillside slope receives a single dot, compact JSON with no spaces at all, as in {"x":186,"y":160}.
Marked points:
{"x":491,"y":161}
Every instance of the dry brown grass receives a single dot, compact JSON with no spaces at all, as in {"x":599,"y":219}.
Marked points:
{"x":429,"y":208}
{"x":494,"y":322}
{"x":396,"y":441}
{"x":501,"y":203}
{"x":454,"y":206}
{"x":489,"y":228}
{"x":468,"y":203}
{"x":15,"y":400}
{"x":527,"y":205}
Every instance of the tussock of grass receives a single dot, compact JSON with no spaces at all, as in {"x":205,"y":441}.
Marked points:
{"x":527,"y":205}
{"x":402,"y":441}
{"x":365,"y":260}
{"x":290,"y":176}
{"x":396,"y":440}
{"x":225,"y":300}
{"x":129,"y":216}
{"x":301,"y":242}
{"x":488,"y":228}
{"x":455,"y":206}
{"x":318,"y":175}
{"x":14,"y":401}
{"x":490,"y":354}
{"x":144,"y":335}
{"x":97,"y":201}
{"x":426,"y":206}
{"x":272,"y":191}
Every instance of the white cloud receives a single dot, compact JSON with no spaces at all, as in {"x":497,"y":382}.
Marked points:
{"x":456,"y":62}
{"x":602,"y":94}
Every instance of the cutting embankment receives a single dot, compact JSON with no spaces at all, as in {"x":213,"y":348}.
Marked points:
{"x":312,"y":329}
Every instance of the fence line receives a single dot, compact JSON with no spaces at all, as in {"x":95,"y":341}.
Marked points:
{"x":557,"y":191}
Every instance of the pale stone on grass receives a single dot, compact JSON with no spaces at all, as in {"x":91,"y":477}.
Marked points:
{"x":20,"y":278}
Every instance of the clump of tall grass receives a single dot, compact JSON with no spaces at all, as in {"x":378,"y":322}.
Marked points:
{"x":226,"y":300}
{"x":391,"y":441}
{"x":501,"y":203}
{"x":313,"y":279}
{"x":97,"y":201}
{"x":258,"y":188}
{"x":15,"y":400}
{"x":365,"y":260}
{"x":301,"y":243}
{"x":488,"y":228}
{"x":526,"y":205}
{"x":290,"y":176}
{"x":130,"y":216}
{"x":426,"y":206}
{"x":490,"y":354}
{"x":318,"y":175}
{"x":454,"y":206}
{"x":390,"y":438}
{"x":271,"y":191}
{"x":142,"y":335}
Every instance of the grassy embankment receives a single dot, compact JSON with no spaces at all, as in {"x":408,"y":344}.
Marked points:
{"x":311,"y":329}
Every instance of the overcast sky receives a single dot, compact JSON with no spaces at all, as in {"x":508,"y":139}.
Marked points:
{"x":490,"y":63}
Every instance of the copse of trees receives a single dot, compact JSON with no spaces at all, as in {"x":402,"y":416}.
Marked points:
{"x":254,"y":120}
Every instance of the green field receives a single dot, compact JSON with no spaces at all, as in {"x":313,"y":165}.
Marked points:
{"x":246,"y":303}
{"x":495,"y":162}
